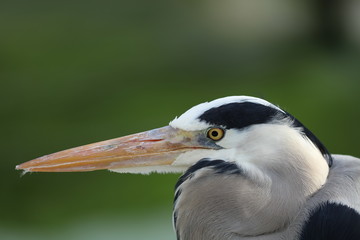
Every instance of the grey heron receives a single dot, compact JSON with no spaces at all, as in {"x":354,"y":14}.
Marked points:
{"x":250,"y":171}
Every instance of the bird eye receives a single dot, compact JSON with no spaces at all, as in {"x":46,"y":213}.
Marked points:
{"x":215,"y":134}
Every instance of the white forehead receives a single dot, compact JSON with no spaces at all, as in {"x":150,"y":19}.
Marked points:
{"x":189,"y":120}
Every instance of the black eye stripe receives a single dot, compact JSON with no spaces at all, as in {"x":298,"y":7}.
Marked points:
{"x":239,"y":115}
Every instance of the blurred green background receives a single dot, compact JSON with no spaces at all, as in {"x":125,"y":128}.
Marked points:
{"x":76,"y":72}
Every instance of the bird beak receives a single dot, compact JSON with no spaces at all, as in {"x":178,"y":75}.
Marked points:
{"x":158,"y":147}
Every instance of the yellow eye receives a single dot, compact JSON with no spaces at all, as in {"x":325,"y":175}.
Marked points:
{"x":215,"y":134}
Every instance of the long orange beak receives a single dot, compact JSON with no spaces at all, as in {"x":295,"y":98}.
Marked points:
{"x":158,"y":147}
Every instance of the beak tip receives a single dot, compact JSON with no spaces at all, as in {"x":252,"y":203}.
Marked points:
{"x":20,"y":167}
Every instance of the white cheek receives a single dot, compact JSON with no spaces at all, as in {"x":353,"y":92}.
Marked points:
{"x":232,"y":139}
{"x":191,"y":157}
{"x":230,"y":143}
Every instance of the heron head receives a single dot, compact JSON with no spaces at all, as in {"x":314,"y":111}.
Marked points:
{"x":228,"y":128}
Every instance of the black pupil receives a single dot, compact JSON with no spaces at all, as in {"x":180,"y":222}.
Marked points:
{"x":215,"y":133}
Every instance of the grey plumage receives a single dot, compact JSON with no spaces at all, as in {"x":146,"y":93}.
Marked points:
{"x":212,"y":210}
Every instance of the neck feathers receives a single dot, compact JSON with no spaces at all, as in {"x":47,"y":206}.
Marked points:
{"x":273,"y":171}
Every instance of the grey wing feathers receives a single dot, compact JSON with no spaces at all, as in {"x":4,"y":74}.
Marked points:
{"x":333,"y":213}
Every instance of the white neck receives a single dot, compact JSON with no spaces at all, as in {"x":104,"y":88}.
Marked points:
{"x":287,"y":162}
{"x":281,"y":169}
